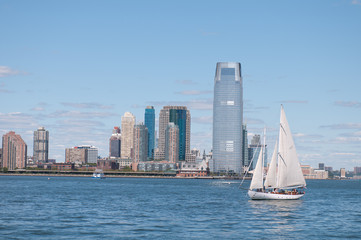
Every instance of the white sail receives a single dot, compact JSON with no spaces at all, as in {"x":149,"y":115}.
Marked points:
{"x":271,"y":179}
{"x":289,"y":169}
{"x":257,"y":179}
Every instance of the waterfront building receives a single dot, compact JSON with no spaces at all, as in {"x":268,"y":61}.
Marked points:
{"x":180,"y":116}
{"x":149,"y":121}
{"x":193,"y":169}
{"x":321,"y":166}
{"x":227,"y":118}
{"x":172,"y":143}
{"x":193,"y":156}
{"x":330,"y":169}
{"x":115,"y":143}
{"x":140,"y":143}
{"x":156,"y":166}
{"x":321,"y":174}
{"x":306,"y":170}
{"x":107,"y":164}
{"x":342,"y":173}
{"x":41,"y":145}
{"x":76,"y":155}
{"x":62,"y":166}
{"x":91,"y":151}
{"x":81,"y":154}
{"x":357,"y":170}
{"x":14,"y":151}
{"x":128,"y":122}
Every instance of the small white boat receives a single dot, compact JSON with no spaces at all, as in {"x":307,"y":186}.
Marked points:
{"x":284,"y":180}
{"x":98,"y":173}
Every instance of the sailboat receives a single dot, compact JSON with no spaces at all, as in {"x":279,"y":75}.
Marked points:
{"x":284,"y":180}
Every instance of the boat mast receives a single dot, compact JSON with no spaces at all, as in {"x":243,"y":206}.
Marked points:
{"x":263,"y":152}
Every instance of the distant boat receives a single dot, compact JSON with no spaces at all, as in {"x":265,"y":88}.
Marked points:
{"x":284,"y":180}
{"x":98,"y":173}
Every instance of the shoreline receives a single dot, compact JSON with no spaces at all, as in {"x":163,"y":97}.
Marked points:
{"x":124,"y":175}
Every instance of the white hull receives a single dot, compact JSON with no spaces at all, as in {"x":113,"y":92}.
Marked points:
{"x":272,"y":196}
{"x":98,"y":176}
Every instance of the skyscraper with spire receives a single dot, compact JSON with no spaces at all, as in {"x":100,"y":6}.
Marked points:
{"x":227,"y":118}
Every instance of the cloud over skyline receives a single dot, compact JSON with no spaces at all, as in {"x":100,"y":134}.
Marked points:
{"x":7,"y":71}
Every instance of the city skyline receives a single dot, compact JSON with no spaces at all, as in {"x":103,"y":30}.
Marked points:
{"x":78,"y":75}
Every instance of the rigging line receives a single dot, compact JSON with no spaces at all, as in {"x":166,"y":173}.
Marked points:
{"x":250,"y":164}
{"x":283,"y":129}
{"x":282,"y":159}
{"x":243,"y":188}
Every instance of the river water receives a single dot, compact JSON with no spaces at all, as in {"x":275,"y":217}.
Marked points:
{"x":146,"y":208}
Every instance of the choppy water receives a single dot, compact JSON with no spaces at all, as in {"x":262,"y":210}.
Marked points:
{"x":130,"y":208}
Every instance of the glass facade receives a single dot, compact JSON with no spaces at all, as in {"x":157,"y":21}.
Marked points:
{"x":115,"y":145}
{"x":149,"y":121}
{"x":227,"y":118}
{"x":179,"y":118}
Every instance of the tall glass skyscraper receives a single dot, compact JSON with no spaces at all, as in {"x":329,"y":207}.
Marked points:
{"x":227,"y":118}
{"x":149,"y":121}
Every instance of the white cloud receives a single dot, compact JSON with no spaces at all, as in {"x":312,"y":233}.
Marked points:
{"x":87,"y":105}
{"x":194,"y":92}
{"x":78,"y":114}
{"x":342,"y":154}
{"x":6,"y":71}
{"x":203,"y":120}
{"x":199,"y":104}
{"x":186,"y":82}
{"x":354,"y":104}
{"x":17,"y":120}
{"x":343,"y":126}
{"x":37,"y":109}
{"x":295,"y":101}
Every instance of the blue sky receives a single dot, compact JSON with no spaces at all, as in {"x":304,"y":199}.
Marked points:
{"x":75,"y":67}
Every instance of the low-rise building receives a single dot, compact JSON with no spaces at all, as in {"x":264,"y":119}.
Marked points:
{"x":108,"y":164}
{"x":192,"y":169}
{"x":152,"y":166}
{"x":62,"y":166}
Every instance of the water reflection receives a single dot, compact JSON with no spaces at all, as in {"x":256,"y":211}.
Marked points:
{"x":277,"y":217}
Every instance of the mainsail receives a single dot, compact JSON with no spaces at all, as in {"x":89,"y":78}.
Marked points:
{"x":289,"y":169}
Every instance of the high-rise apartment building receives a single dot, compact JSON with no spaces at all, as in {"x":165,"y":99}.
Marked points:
{"x":140,"y":143}
{"x":14,"y":151}
{"x":115,"y":143}
{"x":149,"y":121}
{"x":128,"y":122}
{"x":180,"y":116}
{"x":227,"y":118}
{"x":41,"y":145}
{"x":172,"y":143}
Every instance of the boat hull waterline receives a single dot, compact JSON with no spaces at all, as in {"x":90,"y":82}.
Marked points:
{"x":272,"y":196}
